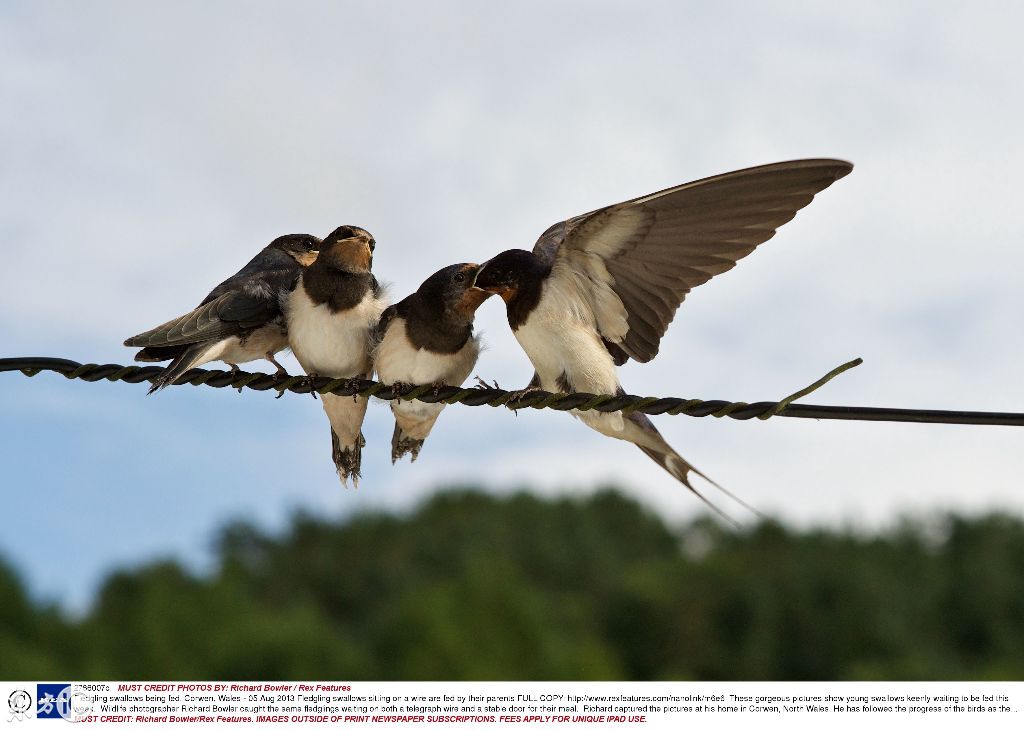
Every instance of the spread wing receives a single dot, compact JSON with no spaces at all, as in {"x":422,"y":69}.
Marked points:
{"x":232,"y":312}
{"x":638,"y":260}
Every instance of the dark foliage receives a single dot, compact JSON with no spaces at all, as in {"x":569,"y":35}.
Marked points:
{"x":472,"y":586}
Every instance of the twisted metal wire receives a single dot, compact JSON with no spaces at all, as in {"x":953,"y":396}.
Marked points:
{"x":91,"y":372}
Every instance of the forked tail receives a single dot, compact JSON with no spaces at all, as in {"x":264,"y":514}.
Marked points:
{"x":668,"y":459}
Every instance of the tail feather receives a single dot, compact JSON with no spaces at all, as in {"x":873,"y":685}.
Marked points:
{"x":192,"y":356}
{"x":346,"y":414}
{"x":413,"y":423}
{"x":668,"y":459}
{"x":349,"y":460}
{"x":402,"y":444}
{"x":679,"y":468}
{"x":159,"y":354}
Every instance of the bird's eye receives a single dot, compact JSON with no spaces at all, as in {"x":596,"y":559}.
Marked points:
{"x":373,"y":245}
{"x":460,"y":277}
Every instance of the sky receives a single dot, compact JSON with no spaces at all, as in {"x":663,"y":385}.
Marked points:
{"x":150,"y":150}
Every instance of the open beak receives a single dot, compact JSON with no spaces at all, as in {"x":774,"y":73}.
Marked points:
{"x":489,"y":289}
{"x":473,"y":296}
{"x":477,"y":276}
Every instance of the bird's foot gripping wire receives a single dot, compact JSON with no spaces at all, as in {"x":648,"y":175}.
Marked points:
{"x":353,"y":383}
{"x":311,"y":379}
{"x":516,"y":397}
{"x":281,"y":372}
{"x":235,"y":371}
{"x":397,"y":387}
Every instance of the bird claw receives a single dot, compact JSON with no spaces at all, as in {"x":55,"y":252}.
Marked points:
{"x":235,"y":370}
{"x":354,"y":383}
{"x":398,"y":386}
{"x":516,"y":396}
{"x":311,"y":382}
{"x":280,"y":374}
{"x":396,"y":389}
{"x":513,"y":396}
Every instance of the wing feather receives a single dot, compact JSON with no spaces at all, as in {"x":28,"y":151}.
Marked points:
{"x":651,"y":251}
{"x":229,"y":314}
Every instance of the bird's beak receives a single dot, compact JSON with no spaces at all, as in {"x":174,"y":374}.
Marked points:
{"x":504,"y":290}
{"x":496,"y":289}
{"x":348,"y":255}
{"x":306,"y":258}
{"x":473,"y":296}
{"x":477,"y":276}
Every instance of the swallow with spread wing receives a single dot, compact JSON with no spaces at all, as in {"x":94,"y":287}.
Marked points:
{"x":239,"y":321}
{"x":330,"y":314}
{"x":603,"y":287}
{"x":427,"y":339}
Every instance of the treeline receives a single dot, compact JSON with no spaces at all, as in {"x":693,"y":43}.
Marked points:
{"x":473,"y":586}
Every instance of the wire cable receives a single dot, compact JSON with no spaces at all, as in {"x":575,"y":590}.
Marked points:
{"x":477,"y":396}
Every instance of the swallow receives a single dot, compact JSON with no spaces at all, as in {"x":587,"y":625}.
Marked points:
{"x":330,"y":315}
{"x":602,"y":288}
{"x":239,"y":321}
{"x":427,"y":339}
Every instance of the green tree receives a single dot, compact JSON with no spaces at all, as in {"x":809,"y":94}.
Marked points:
{"x":472,"y":586}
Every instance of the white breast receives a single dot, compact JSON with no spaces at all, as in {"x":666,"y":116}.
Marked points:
{"x":332,"y":344}
{"x":397,"y":361}
{"x":560,"y":337}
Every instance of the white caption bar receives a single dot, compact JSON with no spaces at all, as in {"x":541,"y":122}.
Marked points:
{"x":473,"y":704}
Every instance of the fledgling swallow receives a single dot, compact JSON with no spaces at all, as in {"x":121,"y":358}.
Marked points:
{"x":239,"y":321}
{"x":330,"y":315}
{"x":427,"y":339}
{"x":603,"y":287}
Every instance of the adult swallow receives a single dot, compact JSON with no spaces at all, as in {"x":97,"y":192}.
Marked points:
{"x":427,"y":339}
{"x":603,"y":287}
{"x":330,"y":315}
{"x":239,"y":321}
